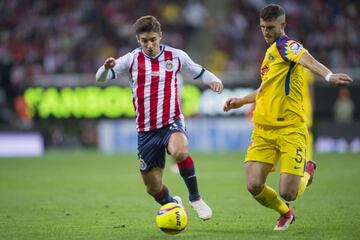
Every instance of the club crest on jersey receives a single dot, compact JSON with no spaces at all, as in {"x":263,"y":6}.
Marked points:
{"x":271,"y":57}
{"x":295,"y":47}
{"x":143,"y":164}
{"x":169,"y":64}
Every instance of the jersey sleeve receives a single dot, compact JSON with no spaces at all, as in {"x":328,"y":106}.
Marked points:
{"x":122,"y":65}
{"x":197,"y":71}
{"x":290,"y":50}
{"x":189,"y":66}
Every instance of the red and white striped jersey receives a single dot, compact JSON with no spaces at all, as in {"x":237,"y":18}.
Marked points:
{"x":154,"y":83}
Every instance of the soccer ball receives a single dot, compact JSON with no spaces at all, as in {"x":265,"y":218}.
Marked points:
{"x":172,"y":218}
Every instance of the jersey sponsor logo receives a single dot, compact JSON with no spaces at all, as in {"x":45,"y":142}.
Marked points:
{"x":264,"y":70}
{"x":169,"y":64}
{"x":143,"y":164}
{"x":155,"y":73}
{"x":295,"y":47}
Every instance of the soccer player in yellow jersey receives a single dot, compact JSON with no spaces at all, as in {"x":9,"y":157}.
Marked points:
{"x":280,"y":131}
{"x":308,"y":103}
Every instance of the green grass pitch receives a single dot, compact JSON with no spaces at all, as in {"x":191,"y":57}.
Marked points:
{"x":87,"y":195}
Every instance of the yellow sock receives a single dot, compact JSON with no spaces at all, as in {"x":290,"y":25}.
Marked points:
{"x":309,"y":146}
{"x":269,"y":198}
{"x":303,"y":184}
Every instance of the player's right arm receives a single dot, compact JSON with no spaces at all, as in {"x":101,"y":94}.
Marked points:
{"x":233,"y":103}
{"x":104,"y":72}
{"x":337,"y":79}
{"x":198,"y":72}
{"x":112,"y":68}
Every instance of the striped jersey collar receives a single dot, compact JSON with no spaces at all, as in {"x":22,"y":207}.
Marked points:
{"x":162,"y":49}
{"x":283,"y":37}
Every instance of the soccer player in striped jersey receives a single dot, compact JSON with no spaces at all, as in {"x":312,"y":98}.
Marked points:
{"x":153,"y":73}
{"x":280,"y":132}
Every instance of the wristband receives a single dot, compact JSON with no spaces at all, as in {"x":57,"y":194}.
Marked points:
{"x":327,"y":77}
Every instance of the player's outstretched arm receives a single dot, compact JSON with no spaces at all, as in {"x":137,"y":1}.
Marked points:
{"x":102,"y":73}
{"x":337,"y":79}
{"x":233,"y":103}
{"x":199,"y":72}
{"x":214,"y":82}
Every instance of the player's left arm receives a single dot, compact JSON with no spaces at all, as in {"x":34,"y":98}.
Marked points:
{"x":337,"y":79}
{"x":198,"y":72}
{"x":233,"y":103}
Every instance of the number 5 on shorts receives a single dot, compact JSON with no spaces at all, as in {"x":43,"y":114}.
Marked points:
{"x":299,"y":155}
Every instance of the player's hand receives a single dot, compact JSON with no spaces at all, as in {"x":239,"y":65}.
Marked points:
{"x":232,"y":103}
{"x":340,"y":79}
{"x":216,"y":87}
{"x":109,"y":63}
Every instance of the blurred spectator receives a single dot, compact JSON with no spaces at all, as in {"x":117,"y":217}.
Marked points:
{"x":66,"y":37}
{"x":344,"y":107}
{"x":88,"y":136}
{"x":7,"y":91}
{"x":195,"y":14}
{"x":170,"y":13}
{"x":56,"y":37}
{"x":327,"y":28}
{"x":24,"y":119}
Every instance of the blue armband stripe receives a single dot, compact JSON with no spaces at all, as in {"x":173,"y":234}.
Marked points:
{"x":113,"y":73}
{"x":201,"y":73}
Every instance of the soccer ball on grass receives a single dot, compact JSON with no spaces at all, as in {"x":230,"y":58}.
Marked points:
{"x":172,"y":218}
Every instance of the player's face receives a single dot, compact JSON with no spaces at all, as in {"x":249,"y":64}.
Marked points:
{"x":272,"y":30}
{"x":150,"y":43}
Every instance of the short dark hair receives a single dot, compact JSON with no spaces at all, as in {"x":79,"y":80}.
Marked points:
{"x":147,"y":24}
{"x":271,"y":12}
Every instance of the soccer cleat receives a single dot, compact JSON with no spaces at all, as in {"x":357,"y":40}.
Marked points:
{"x":285,"y":220}
{"x":178,"y":200}
{"x":310,"y":169}
{"x":202,"y":209}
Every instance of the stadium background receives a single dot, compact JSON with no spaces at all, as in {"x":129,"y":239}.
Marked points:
{"x":51,"y":49}
{"x":52,"y":110}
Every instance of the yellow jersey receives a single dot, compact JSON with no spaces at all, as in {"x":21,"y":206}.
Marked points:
{"x":280,"y":99}
{"x":307,"y":98}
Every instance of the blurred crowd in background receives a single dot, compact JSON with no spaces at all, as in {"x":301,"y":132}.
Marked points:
{"x":64,"y":36}
{"x":45,"y":37}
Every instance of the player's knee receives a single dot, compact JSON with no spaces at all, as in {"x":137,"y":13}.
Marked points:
{"x":288,"y":195}
{"x":255,"y":187}
{"x":180,"y":154}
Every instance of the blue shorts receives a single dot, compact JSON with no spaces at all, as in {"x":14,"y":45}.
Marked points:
{"x":152,"y":145}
